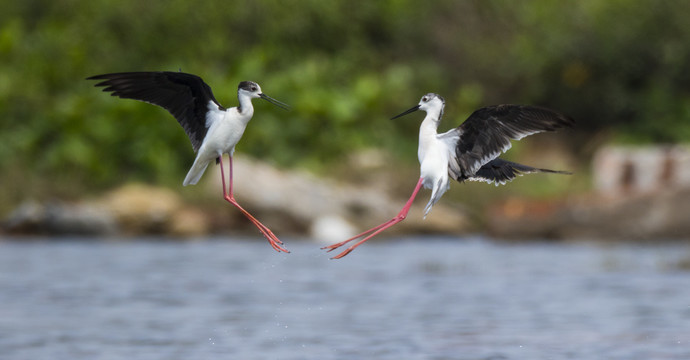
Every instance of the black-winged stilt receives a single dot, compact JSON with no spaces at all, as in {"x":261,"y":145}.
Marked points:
{"x":468,"y":152}
{"x":212,"y":129}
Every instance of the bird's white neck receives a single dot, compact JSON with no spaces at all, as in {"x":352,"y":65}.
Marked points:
{"x":427,"y":136}
{"x":429,"y":126}
{"x":246,"y":109}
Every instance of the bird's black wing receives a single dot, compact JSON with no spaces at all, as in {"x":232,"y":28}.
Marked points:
{"x":488,"y":132}
{"x":185,"y":96}
{"x":501,"y":171}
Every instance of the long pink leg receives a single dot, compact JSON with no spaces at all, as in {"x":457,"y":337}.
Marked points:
{"x":377,"y":229}
{"x":228,"y":195}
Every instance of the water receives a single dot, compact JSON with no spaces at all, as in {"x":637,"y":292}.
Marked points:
{"x":405,"y":299}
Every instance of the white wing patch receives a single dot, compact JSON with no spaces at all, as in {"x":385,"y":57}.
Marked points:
{"x":450,"y":140}
{"x":489,"y":181}
{"x":521,"y":135}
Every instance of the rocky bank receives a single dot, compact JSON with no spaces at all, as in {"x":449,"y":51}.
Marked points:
{"x":291,"y":203}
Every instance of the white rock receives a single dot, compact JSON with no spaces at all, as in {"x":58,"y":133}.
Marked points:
{"x":331,"y":228}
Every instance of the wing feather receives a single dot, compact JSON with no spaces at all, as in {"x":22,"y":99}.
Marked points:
{"x":488,"y":132}
{"x":499,"y":171}
{"x":184,"y":96}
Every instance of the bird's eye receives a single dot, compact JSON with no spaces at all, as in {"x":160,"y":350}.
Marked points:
{"x":425,"y":99}
{"x":253,"y":88}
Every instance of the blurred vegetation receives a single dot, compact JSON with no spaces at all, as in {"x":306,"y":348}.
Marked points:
{"x":619,"y":67}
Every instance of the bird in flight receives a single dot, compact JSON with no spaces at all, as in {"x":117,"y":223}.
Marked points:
{"x":212,"y":129}
{"x":468,"y":152}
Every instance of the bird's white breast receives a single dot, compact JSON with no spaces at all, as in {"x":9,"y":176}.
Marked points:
{"x":433,"y":157}
{"x":226,"y":128}
{"x":433,"y":161}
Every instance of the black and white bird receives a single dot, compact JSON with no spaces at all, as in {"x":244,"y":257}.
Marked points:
{"x":468,"y":152}
{"x":212,"y":129}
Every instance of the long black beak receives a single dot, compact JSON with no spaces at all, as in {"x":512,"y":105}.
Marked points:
{"x":410,"y":110}
{"x":275,"y":102}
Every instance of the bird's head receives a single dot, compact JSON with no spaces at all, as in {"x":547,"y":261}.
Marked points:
{"x":249,"y":89}
{"x":431,"y":103}
{"x":252,"y":90}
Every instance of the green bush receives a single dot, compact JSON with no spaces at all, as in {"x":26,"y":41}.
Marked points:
{"x":618,"y":67}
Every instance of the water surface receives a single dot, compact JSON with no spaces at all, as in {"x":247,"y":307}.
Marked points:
{"x":413,"y":298}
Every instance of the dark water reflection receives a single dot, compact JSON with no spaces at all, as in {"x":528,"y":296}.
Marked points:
{"x":408,"y":299}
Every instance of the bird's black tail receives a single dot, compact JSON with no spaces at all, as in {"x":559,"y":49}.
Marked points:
{"x":501,"y":171}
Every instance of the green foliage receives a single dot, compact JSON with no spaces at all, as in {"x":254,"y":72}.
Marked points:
{"x":345,"y":67}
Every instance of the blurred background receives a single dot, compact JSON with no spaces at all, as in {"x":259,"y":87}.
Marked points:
{"x":618,"y":67}
{"x":589,"y":266}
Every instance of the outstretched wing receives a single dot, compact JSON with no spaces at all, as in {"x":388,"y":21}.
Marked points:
{"x":488,"y":132}
{"x":499,"y":171}
{"x":187,"y":97}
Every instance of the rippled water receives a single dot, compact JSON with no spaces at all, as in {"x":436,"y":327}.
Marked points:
{"x":406,"y":299}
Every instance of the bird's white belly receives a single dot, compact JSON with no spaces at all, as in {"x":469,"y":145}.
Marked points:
{"x":433,"y":159}
{"x":221,"y":138}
